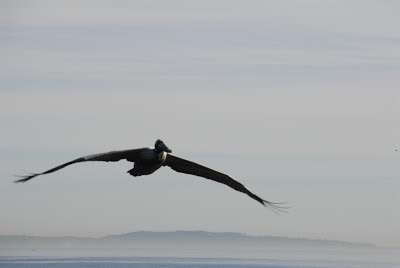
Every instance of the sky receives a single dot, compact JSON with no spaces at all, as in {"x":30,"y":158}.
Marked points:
{"x":297,"y":100}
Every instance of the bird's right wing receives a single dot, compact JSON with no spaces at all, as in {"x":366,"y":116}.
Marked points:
{"x":114,"y":156}
{"x":188,"y":167}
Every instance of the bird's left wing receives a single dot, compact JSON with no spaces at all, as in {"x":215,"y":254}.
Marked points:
{"x":130,"y":155}
{"x":188,"y":167}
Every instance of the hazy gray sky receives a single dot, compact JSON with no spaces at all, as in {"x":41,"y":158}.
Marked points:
{"x":298,"y":100}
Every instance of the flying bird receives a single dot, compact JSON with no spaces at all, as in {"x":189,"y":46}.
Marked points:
{"x":148,"y":160}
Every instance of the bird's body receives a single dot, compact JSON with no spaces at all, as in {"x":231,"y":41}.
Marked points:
{"x":148,"y":160}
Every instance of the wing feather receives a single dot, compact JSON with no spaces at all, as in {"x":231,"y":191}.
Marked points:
{"x":114,"y":156}
{"x":188,"y":167}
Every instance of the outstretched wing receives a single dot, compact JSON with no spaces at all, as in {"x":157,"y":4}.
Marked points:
{"x":188,"y":167}
{"x":114,"y":156}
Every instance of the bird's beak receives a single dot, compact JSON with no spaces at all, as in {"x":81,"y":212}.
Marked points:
{"x":165,"y":148}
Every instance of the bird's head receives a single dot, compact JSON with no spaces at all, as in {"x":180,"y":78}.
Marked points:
{"x":161,"y":147}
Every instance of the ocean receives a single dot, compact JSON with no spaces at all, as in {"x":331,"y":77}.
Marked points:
{"x":210,"y":258}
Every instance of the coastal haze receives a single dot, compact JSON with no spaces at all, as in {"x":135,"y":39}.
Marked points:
{"x":190,"y":249}
{"x":177,"y":240}
{"x":298,"y":101}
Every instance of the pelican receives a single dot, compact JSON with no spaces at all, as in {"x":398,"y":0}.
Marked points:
{"x":148,"y":160}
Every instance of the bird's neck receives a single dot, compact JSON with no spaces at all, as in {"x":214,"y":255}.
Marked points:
{"x":161,"y":155}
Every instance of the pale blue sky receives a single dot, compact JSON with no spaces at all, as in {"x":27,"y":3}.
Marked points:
{"x":299,"y":101}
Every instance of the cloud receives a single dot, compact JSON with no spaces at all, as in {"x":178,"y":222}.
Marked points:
{"x":331,"y":16}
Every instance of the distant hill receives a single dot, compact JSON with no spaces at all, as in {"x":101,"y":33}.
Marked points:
{"x":178,"y":239}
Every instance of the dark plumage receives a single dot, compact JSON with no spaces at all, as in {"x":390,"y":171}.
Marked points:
{"x":148,"y":160}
